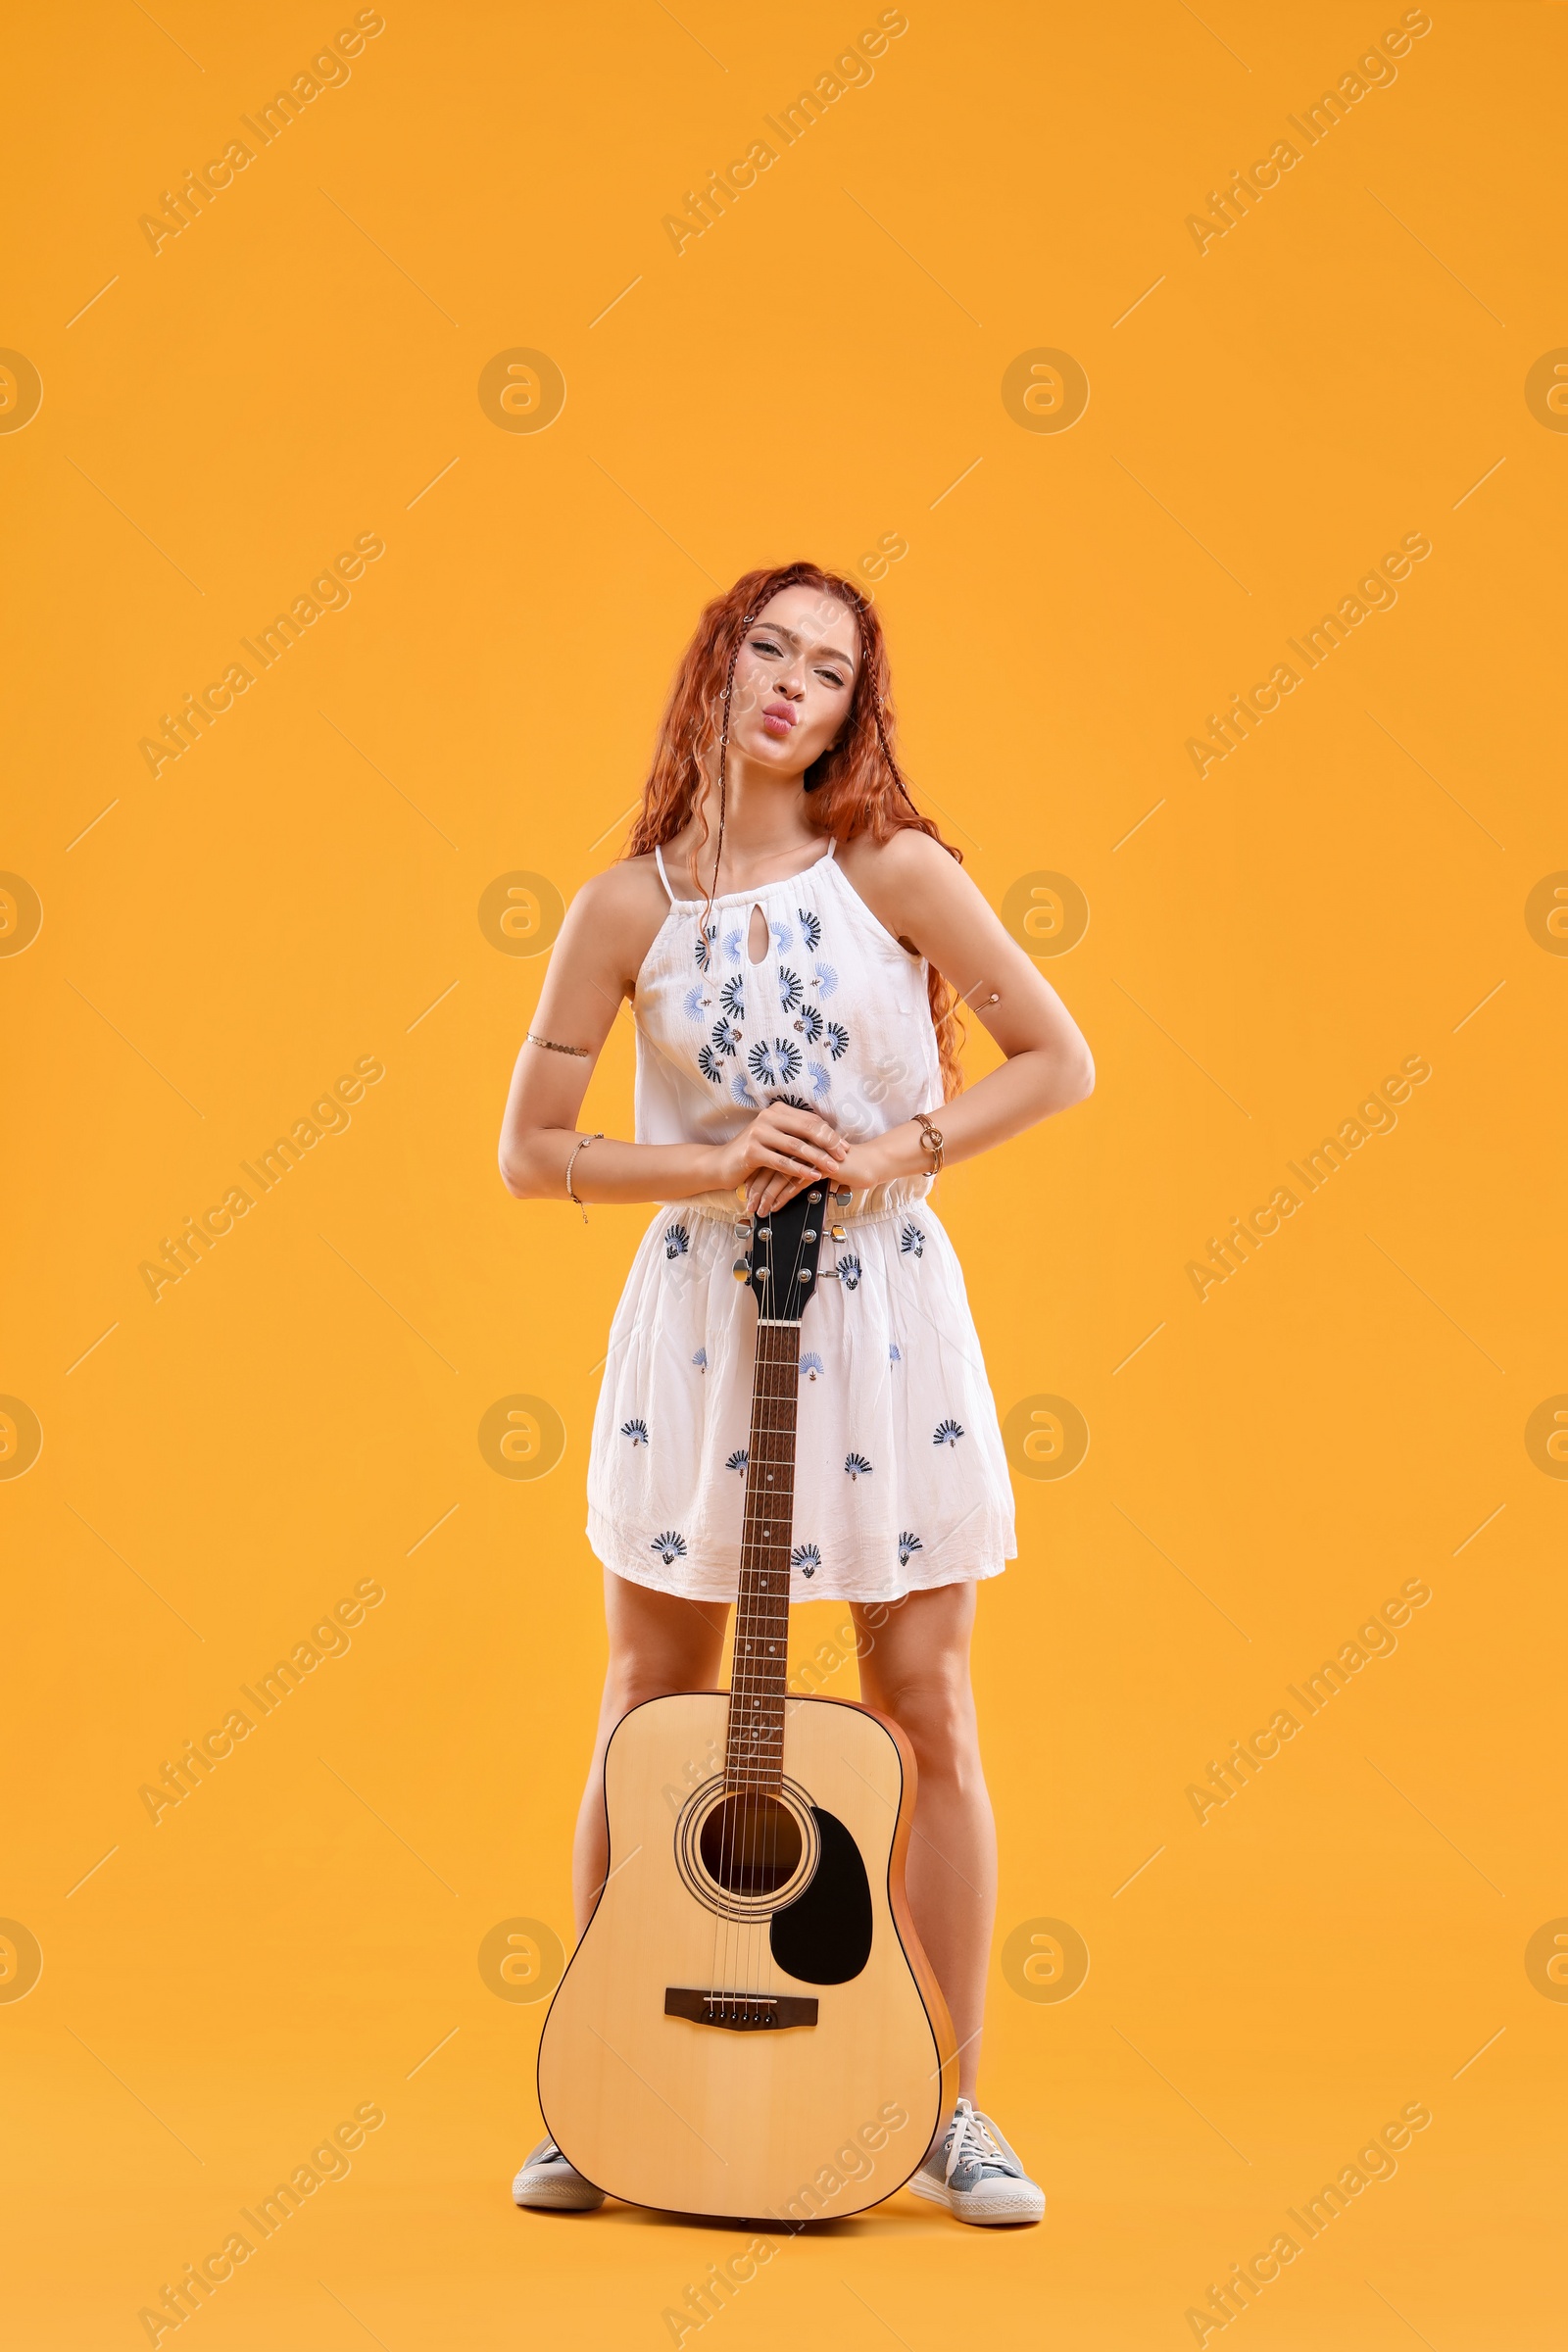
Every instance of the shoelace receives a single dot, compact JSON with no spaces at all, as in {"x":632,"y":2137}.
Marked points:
{"x":971,"y":2140}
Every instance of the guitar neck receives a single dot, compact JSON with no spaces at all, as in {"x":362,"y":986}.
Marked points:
{"x":754,"y":1740}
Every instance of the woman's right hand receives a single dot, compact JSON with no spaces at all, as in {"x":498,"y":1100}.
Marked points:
{"x":794,"y":1146}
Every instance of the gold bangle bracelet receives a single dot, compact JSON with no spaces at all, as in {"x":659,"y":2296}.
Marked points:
{"x":581,"y":1145}
{"x":932,"y":1136}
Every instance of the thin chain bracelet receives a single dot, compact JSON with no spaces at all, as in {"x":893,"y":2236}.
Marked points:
{"x":581,"y":1145}
{"x":578,"y":1053}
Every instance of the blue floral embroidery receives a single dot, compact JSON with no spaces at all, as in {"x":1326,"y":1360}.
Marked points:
{"x":732,"y":995}
{"x":911,"y":1241}
{"x":895,"y":1352}
{"x":637,"y":1430}
{"x":776,"y":1064}
{"x":669,"y":1546}
{"x":743,"y":1093}
{"x":732,"y":946}
{"x":946,"y":1433}
{"x":783,"y":937}
{"x":909,"y":1546}
{"x":790,"y":991}
{"x":811,"y":1366}
{"x":838,"y":1039}
{"x":826,"y":977}
{"x":707,"y":933}
{"x":812,"y":1023}
{"x":707,"y":1063}
{"x":694,"y":1004}
{"x":807,"y":1558}
{"x":847,"y":1270}
{"x":738,"y":1461}
{"x":810,"y":928}
{"x":822,"y":1083}
{"x":857,"y":1466}
{"x":700,"y":1360}
{"x":726,"y":1037}
{"x":677,"y":1240}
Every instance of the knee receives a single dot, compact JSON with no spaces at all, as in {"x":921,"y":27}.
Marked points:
{"x":936,"y":1713}
{"x":633,"y":1682}
{"x":631,"y":1686}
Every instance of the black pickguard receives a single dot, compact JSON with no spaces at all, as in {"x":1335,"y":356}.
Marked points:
{"x":824,"y":1936}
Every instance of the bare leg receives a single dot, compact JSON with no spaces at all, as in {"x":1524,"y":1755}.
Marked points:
{"x":914,"y":1666}
{"x":659,"y":1644}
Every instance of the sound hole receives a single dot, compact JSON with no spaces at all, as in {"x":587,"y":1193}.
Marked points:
{"x":751,"y":1844}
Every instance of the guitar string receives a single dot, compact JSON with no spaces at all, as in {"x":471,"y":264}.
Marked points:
{"x":742,"y":1816}
{"x":788,"y":1385}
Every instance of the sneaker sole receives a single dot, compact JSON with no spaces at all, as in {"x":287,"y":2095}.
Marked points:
{"x":1010,"y":2206}
{"x":556,"y":2196}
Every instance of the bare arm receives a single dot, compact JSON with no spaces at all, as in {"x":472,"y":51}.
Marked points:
{"x":918,"y":893}
{"x":608,"y":929}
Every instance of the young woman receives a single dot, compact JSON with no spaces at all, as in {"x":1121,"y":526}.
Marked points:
{"x":794,"y":937}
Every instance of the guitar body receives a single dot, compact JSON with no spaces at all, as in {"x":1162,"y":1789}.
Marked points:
{"x":749,"y":2026}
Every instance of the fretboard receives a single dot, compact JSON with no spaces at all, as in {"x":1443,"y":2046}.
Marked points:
{"x":755,"y":1743}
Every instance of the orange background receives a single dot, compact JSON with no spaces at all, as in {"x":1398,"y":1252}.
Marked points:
{"x":301,"y":890}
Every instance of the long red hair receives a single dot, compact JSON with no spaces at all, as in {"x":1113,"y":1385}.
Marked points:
{"x":854,"y":788}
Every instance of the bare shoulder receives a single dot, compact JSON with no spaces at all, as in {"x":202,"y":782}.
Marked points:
{"x":902,"y":876}
{"x":618,"y":914}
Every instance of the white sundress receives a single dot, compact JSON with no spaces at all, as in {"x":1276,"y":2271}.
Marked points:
{"x":900,"y":1481}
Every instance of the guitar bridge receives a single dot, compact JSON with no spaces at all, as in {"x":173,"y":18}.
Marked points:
{"x":740,"y":2012}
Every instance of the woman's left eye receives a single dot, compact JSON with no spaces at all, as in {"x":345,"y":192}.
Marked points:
{"x":760,"y":645}
{"x":830,"y":677}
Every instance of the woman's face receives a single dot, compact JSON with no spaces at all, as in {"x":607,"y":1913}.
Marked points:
{"x":794,"y":680}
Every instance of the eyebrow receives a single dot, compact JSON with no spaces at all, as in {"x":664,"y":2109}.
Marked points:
{"x":846,"y":660}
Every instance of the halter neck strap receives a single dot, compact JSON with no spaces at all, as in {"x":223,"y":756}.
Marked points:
{"x":659,"y":860}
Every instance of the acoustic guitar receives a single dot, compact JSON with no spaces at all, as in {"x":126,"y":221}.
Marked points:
{"x":749,"y":2026}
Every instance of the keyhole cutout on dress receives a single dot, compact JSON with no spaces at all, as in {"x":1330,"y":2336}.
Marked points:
{"x":758,"y":937}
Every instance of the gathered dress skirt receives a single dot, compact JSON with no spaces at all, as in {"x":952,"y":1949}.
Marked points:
{"x":900,"y":1481}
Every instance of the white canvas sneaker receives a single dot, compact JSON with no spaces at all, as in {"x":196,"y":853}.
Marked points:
{"x":548,"y":2182}
{"x":976,"y":2175}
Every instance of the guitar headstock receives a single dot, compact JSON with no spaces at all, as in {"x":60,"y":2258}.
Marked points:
{"x":785,"y":1244}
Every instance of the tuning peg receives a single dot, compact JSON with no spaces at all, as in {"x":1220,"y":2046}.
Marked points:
{"x":742,"y":1269}
{"x":814,"y":1197}
{"x":843,"y":1196}
{"x":841,"y":1233}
